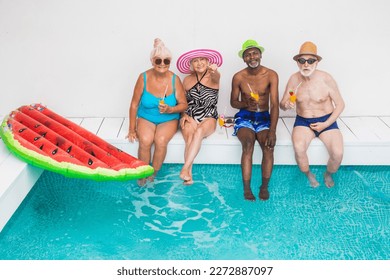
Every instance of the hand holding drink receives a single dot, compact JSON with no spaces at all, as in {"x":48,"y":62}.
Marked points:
{"x":293,"y":97}
{"x":221,"y":120}
{"x":255,"y":96}
{"x":290,"y":104}
{"x":161,"y":102}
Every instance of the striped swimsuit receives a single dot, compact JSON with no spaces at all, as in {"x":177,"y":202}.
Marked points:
{"x":202,"y":102}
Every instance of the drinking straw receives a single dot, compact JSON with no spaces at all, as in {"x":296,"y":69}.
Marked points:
{"x":296,"y":89}
{"x":250,"y":88}
{"x":165,"y":92}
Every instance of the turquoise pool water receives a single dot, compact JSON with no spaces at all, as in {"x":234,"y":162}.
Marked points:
{"x":64,"y":218}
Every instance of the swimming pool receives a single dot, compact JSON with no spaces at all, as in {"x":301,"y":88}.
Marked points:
{"x":64,"y":218}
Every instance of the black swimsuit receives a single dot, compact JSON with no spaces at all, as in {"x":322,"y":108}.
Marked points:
{"x":301,"y":121}
{"x":202,"y":101}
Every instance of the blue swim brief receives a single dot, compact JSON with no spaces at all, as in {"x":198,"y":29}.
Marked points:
{"x":301,"y":121}
{"x":256,"y":121}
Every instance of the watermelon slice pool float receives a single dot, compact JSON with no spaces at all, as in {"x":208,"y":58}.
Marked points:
{"x":43,"y":138}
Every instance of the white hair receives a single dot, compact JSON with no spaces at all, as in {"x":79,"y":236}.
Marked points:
{"x":159,"y":50}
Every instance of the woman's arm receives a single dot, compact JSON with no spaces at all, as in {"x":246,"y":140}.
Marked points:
{"x":214,"y":75}
{"x":138,"y":88}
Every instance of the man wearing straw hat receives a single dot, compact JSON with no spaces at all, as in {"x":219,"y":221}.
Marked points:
{"x":255,"y":93}
{"x":318,"y":103}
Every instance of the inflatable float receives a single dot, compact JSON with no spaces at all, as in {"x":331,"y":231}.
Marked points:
{"x":43,"y":138}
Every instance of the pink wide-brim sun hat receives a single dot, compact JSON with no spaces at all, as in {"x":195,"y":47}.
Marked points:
{"x":184,"y":61}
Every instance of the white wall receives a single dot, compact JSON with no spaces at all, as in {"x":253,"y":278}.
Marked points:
{"x":82,"y":57}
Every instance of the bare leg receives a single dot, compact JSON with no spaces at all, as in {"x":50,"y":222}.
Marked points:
{"x":141,"y":182}
{"x":333,"y":140}
{"x":189,"y":181}
{"x":328,"y":179}
{"x":188,"y":134}
{"x":151,"y":177}
{"x":247,"y":139}
{"x":248,"y":194}
{"x":263,"y":192}
{"x":145,"y":133}
{"x":312,"y":179}
{"x":202,"y":130}
{"x":267,"y":165}
{"x":302,"y":137}
{"x":164,"y":133}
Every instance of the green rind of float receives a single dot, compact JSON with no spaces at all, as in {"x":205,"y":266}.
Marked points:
{"x":70,"y":169}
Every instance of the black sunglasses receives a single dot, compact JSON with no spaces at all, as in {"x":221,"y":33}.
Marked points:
{"x":303,"y":61}
{"x":166,"y":61}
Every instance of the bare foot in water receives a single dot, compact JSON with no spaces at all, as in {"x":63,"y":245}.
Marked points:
{"x":151,"y":178}
{"x":248,"y":195}
{"x":188,"y":182}
{"x":141,"y":182}
{"x":185,"y":175}
{"x":264,"y":193}
{"x":329,"y":183}
{"x":312,"y":179}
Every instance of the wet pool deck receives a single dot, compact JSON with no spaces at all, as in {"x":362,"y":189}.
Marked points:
{"x":366,"y":142}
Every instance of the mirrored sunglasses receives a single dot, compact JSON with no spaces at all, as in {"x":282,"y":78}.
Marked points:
{"x":303,"y":61}
{"x":166,"y":61}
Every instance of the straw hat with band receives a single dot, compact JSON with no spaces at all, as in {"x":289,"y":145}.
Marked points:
{"x":184,"y":61}
{"x":308,"y":48}
{"x":248,"y":44}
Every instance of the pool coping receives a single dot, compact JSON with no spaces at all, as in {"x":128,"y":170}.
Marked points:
{"x":366,"y":142}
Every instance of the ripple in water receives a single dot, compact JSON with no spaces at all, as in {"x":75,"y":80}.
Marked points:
{"x":65,"y":218}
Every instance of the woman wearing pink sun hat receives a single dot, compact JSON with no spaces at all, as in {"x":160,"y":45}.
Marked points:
{"x":184,"y":62}
{"x":202,"y":88}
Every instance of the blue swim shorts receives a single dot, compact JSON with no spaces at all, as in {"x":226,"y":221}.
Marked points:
{"x":301,"y":121}
{"x":256,"y":121}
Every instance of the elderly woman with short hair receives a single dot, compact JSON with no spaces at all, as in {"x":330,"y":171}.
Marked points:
{"x":155,"y":108}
